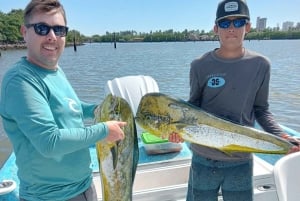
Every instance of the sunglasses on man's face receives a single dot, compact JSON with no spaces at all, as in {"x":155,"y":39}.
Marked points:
{"x":43,"y":29}
{"x":237,"y":23}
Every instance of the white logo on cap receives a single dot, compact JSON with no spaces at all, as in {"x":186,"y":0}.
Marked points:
{"x":231,"y":6}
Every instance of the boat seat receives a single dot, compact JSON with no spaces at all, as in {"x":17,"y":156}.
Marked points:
{"x":287,"y":177}
{"x":131,"y":88}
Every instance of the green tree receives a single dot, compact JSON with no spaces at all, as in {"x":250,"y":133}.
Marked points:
{"x":74,"y":36}
{"x":10,"y":26}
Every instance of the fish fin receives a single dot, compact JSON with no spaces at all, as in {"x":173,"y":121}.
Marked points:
{"x":115,"y":154}
{"x":180,"y":126}
{"x":238,"y":148}
{"x":135,"y":152}
{"x":228,"y":153}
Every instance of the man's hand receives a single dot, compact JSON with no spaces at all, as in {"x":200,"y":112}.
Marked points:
{"x":175,"y":137}
{"x":294,"y":141}
{"x":115,"y":130}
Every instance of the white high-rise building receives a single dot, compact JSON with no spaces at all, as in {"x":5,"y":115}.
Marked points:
{"x":287,"y":25}
{"x":261,"y":24}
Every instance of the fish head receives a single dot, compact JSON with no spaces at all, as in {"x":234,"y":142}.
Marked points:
{"x":152,"y":123}
{"x":113,"y":108}
{"x":152,"y":118}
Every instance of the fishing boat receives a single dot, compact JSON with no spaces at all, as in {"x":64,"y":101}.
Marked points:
{"x":163,"y":168}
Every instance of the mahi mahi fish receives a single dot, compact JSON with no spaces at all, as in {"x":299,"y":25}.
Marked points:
{"x":117,"y":160}
{"x":161,"y":115}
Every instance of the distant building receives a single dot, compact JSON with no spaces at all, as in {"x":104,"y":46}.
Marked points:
{"x":287,"y":25}
{"x":261,"y":24}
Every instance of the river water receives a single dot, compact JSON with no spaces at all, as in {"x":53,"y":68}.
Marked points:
{"x":89,"y":68}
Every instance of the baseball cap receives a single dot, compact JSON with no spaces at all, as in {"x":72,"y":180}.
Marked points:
{"x":234,"y":8}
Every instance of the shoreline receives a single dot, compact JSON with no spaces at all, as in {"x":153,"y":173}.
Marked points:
{"x":12,"y":46}
{"x":19,"y":46}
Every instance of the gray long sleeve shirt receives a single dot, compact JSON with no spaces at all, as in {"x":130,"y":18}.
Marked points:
{"x":232,"y":89}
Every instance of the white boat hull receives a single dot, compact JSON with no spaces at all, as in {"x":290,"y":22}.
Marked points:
{"x":168,"y":180}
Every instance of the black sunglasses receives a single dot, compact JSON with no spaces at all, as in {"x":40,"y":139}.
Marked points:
{"x":237,"y":23}
{"x":43,"y":29}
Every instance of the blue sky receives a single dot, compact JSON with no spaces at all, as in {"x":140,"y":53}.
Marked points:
{"x":91,"y":17}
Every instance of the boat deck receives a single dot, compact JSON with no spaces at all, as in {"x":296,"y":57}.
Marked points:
{"x":163,"y":176}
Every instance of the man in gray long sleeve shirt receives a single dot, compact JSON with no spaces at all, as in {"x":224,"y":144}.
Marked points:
{"x":230,"y":82}
{"x":235,"y":89}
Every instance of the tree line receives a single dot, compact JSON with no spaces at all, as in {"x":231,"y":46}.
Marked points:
{"x":10,"y":33}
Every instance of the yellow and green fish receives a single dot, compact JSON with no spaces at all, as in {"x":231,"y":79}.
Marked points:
{"x":117,"y":160}
{"x":161,"y":115}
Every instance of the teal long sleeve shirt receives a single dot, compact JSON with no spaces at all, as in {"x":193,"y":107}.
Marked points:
{"x":44,"y":119}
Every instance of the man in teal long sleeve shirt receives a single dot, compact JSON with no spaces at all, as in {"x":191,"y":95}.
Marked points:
{"x":43,"y":116}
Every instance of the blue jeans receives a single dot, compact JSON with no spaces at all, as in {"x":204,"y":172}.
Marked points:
{"x":207,"y":177}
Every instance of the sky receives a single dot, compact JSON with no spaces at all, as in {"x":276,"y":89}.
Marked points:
{"x":91,"y":17}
